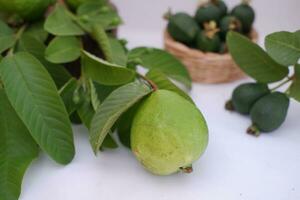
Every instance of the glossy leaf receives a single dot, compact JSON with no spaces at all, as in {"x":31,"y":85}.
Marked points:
{"x":35,"y":98}
{"x":63,"y":49}
{"x":7,"y":38}
{"x":119,"y":55}
{"x":67,"y":95}
{"x":153,"y":58}
{"x":37,"y":31}
{"x":34,"y":46}
{"x":118,"y":102}
{"x":60,"y":23}
{"x":17,"y":150}
{"x":294,"y":90}
{"x":97,"y":12}
{"x":284,"y":47}
{"x":162,"y":81}
{"x":253,"y":60}
{"x":104,"y":72}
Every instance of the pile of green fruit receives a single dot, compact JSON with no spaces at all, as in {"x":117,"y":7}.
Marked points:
{"x":267,"y":105}
{"x":207,"y":30}
{"x":61,"y":62}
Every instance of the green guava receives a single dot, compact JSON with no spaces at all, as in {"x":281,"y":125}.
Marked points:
{"x":168,"y":133}
{"x":269,"y":113}
{"x":208,"y":12}
{"x":76,"y":3}
{"x":245,"y":96}
{"x":27,"y":9}
{"x":229,"y":23}
{"x":183,"y":28}
{"x":221,"y":5}
{"x":245,"y":13}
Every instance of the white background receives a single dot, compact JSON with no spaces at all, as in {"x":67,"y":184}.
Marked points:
{"x":235,"y":166}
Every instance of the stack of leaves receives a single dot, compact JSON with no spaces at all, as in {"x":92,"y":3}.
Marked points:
{"x":208,"y":29}
{"x":267,"y":106}
{"x":39,"y":96}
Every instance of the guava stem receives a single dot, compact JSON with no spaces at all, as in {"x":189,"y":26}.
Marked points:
{"x":187,"y":170}
{"x":168,"y":14}
{"x":247,"y":2}
{"x":151,"y":83}
{"x":283,"y":83}
{"x":253,"y":130}
{"x":229,"y":106}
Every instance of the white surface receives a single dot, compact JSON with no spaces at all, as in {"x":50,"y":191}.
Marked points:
{"x":235,"y":166}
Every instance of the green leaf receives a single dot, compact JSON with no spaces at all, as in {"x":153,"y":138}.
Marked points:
{"x":34,"y":46}
{"x":63,"y":49}
{"x":112,"y":108}
{"x":67,"y":94}
{"x":94,"y":96}
{"x":37,"y":31}
{"x":152,"y":58}
{"x":100,"y":36}
{"x":35,"y":98}
{"x":284,"y":47}
{"x":60,"y":23}
{"x":124,"y":125}
{"x":294,"y":90}
{"x":162,"y":81}
{"x":17,"y":150}
{"x":101,"y":13}
{"x":104,"y":72}
{"x":253,"y":60}
{"x":7,"y":38}
{"x":109,"y":143}
{"x":119,"y":55}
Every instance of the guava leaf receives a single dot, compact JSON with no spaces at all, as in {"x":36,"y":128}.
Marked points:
{"x":17,"y":150}
{"x":63,"y":49}
{"x":162,"y":81}
{"x":95,"y":101}
{"x":34,"y":46}
{"x":284,"y":47}
{"x":104,"y":72}
{"x":35,"y":98}
{"x":124,"y":125}
{"x":7,"y":38}
{"x":153,"y":58}
{"x":118,"y":102}
{"x":37,"y":31}
{"x":96,"y":12}
{"x":119,"y":55}
{"x":67,"y":94}
{"x":294,"y":90}
{"x":253,"y":60}
{"x":60,"y":23}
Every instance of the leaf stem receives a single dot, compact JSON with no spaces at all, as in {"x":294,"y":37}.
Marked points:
{"x":283,"y":83}
{"x":150,"y":82}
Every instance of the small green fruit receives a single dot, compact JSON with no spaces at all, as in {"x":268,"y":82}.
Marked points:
{"x":208,"y":40}
{"x":245,"y":13}
{"x":183,"y":28}
{"x":221,"y":5}
{"x":229,"y":23}
{"x":269,"y":112}
{"x":245,"y":96}
{"x":208,"y":12}
{"x":27,"y":9}
{"x":168,"y":133}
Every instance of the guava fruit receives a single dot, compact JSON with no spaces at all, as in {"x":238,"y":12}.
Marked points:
{"x":208,"y":12}
{"x":183,"y":28}
{"x":269,"y":113}
{"x":208,"y":40}
{"x":221,"y":5}
{"x":27,"y":9}
{"x":76,"y":3}
{"x":168,"y":133}
{"x":229,"y":23}
{"x":245,"y":13}
{"x":245,"y":96}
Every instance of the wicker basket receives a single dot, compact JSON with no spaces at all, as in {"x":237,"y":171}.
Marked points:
{"x":206,"y":67}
